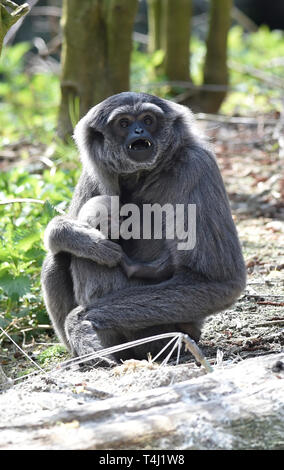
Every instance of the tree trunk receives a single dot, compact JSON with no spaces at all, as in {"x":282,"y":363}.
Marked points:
{"x":95,"y":55}
{"x":169,"y":30}
{"x":176,"y":39}
{"x":120,"y":17}
{"x":215,"y":68}
{"x":81,"y":62}
{"x":155,"y":8}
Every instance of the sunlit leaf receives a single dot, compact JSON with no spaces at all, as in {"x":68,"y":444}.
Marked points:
{"x":15,"y":286}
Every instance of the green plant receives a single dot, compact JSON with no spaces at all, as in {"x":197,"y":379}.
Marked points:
{"x":22,"y":226}
{"x":255,"y":66}
{"x":52,"y":354}
{"x":28,"y":102}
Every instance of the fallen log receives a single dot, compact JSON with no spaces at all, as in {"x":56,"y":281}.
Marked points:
{"x":238,"y":406}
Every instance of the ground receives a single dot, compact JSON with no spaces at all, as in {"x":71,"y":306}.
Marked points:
{"x":252,"y":166}
{"x":253,"y":174}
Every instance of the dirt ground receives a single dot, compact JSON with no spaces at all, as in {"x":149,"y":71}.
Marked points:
{"x":253,"y":173}
{"x":252,"y":167}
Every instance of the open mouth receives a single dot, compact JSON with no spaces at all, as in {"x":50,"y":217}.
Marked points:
{"x":140,"y":144}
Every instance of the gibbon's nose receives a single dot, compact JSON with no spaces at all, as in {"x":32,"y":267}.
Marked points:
{"x":139,"y":130}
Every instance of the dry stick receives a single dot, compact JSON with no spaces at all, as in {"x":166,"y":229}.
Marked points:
{"x":243,"y":19}
{"x":271,"y":322}
{"x":47,"y":11}
{"x":265,"y":281}
{"x":269,"y":302}
{"x":179,"y":349}
{"x":248,"y":121}
{"x":196,"y":352}
{"x":263,"y":296}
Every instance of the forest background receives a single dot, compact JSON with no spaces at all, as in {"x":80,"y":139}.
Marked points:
{"x":223,"y":59}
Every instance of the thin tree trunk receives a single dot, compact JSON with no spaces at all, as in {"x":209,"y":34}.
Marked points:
{"x":176,"y":39}
{"x":81,"y":59}
{"x":95,"y":55}
{"x":120,"y":19}
{"x":215,"y":68}
{"x":169,"y":30}
{"x":155,"y":8}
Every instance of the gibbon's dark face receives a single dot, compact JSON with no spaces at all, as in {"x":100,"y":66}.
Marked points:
{"x":130,"y":132}
{"x":137,"y":134}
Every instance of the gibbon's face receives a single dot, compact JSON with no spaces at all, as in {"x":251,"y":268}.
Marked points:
{"x":137,"y":132}
{"x":130,"y":131}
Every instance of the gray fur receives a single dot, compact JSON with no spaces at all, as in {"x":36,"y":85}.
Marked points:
{"x":97,"y":211}
{"x":90,"y":300}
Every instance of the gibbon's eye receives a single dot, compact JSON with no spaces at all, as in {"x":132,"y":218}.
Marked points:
{"x":148,"y":120}
{"x":124,"y":123}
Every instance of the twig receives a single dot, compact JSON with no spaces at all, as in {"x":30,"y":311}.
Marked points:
{"x":243,"y":19}
{"x":47,"y":11}
{"x":29,"y":200}
{"x":248,"y":121}
{"x":265,"y":139}
{"x":268,"y":302}
{"x":22,"y":200}
{"x":191,"y":346}
{"x":262,"y":296}
{"x":272,"y":322}
{"x":267,"y":282}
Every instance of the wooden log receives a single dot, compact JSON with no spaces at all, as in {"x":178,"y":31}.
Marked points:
{"x":238,"y":406}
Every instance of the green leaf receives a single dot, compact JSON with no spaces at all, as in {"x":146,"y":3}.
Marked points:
{"x":4,"y":253}
{"x":49,"y":209}
{"x":15,"y":286}
{"x":28,"y":241}
{"x":4,"y":268}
